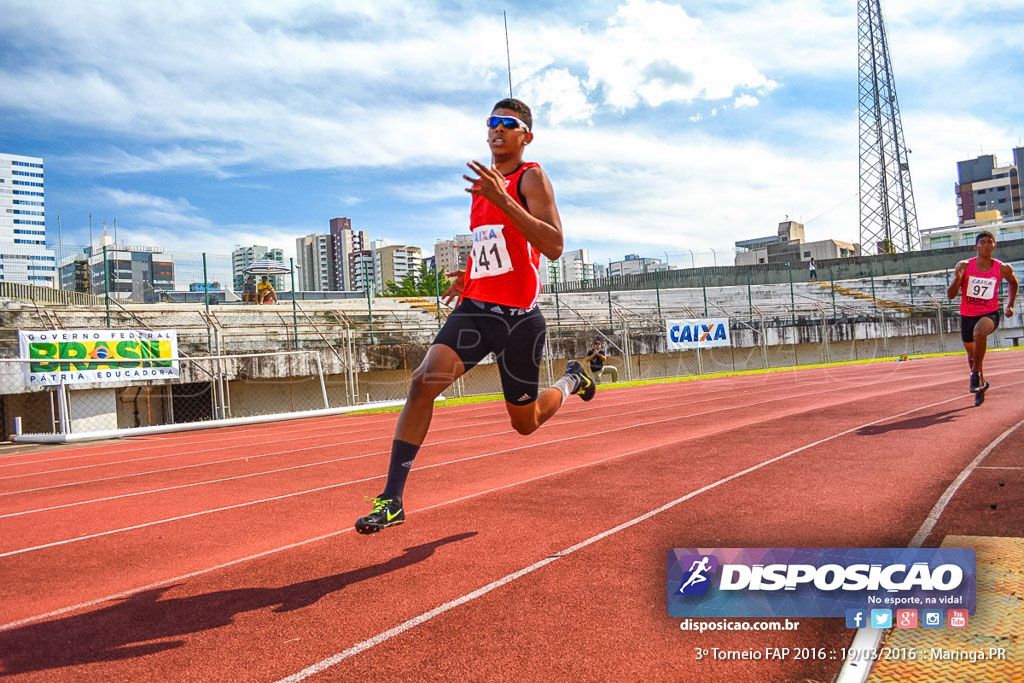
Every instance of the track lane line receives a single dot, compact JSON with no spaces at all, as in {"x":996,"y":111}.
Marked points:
{"x":856,"y":670}
{"x":272,"y":551}
{"x":483,"y":590}
{"x":234,"y":447}
{"x":567,"y":419}
{"x":318,"y":489}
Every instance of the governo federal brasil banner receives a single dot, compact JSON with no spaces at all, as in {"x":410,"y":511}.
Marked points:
{"x":91,"y":356}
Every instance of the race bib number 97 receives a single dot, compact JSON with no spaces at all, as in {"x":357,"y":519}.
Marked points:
{"x":981,"y":287}
{"x":490,"y":253}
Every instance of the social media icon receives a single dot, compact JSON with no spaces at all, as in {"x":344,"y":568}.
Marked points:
{"x":856,"y":618}
{"x":881,"y":618}
{"x":906,"y":618}
{"x":957,"y":618}
{"x":931,"y":618}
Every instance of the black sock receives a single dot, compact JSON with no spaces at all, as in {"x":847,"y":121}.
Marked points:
{"x":402,"y":455}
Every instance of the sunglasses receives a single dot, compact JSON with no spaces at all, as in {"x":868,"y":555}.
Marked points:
{"x":510,"y":123}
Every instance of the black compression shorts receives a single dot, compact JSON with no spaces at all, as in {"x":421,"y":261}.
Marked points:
{"x":967,"y":323}
{"x":516,"y":336}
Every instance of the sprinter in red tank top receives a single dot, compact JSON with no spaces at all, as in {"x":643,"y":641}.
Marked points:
{"x":514,"y":220}
{"x":977,"y":281}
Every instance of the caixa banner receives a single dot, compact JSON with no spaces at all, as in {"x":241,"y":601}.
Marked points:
{"x":816,"y":582}
{"x":103,"y":356}
{"x":701,"y":333}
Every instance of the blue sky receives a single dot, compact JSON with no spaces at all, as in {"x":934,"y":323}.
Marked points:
{"x":664,"y":126}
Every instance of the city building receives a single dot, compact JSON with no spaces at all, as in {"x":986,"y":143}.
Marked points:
{"x":789,"y":246}
{"x":315,"y":261}
{"x":24,"y":257}
{"x":345,"y":242}
{"x":138,"y":274}
{"x":363,"y":270}
{"x":243,"y":257}
{"x":393,"y":262}
{"x":634,"y":263}
{"x":571,"y":266}
{"x":965,"y":235}
{"x":984,"y":186}
{"x":452,"y":255}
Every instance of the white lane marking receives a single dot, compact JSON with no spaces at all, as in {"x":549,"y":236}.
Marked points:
{"x":331,"y":427}
{"x":318,"y":489}
{"x":234,"y":447}
{"x":452,"y":604}
{"x":867,"y":639}
{"x":199,"y":572}
{"x":565,"y":421}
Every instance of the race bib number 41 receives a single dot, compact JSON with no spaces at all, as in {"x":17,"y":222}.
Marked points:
{"x":981,"y":287}
{"x":490,"y":253}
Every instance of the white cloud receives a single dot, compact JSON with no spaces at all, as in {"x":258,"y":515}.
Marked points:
{"x":744,"y":101}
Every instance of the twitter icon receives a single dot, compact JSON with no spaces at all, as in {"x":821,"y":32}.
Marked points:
{"x":881,"y":618}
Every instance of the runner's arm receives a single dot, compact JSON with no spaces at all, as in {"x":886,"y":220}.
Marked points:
{"x":1014,"y":285}
{"x":540,"y":225}
{"x":954,"y":287}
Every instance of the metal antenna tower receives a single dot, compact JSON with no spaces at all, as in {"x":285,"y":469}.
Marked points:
{"x":888,"y":217}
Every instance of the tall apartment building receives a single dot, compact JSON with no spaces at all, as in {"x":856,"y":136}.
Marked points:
{"x":393,"y":262}
{"x":571,"y":266}
{"x":24,"y":257}
{"x":345,"y":243}
{"x":315,"y":259}
{"x":243,"y":257}
{"x":363,"y":271}
{"x":984,"y":187}
{"x":138,"y":274}
{"x":451,"y":255}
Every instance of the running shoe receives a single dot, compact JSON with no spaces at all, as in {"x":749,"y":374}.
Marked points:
{"x":585,"y":387}
{"x":979,"y":395}
{"x":386,"y":512}
{"x":975,"y":381}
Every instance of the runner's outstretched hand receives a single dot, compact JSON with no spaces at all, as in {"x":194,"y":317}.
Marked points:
{"x":454,"y":290}
{"x":490,"y":184}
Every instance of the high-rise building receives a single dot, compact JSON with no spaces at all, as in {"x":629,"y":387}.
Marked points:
{"x":23,"y":254}
{"x":393,"y":262}
{"x":363,"y":270}
{"x":571,"y":266}
{"x":984,"y":187}
{"x":315,"y":259}
{"x":452,"y":255}
{"x":243,"y":257}
{"x":345,"y":242}
{"x":138,"y":274}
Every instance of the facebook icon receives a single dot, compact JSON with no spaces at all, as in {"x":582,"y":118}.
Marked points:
{"x":856,"y":618}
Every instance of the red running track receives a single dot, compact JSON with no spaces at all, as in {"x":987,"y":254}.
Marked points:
{"x":229,"y":554}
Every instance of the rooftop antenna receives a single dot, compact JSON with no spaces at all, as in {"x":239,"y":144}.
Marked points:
{"x":90,"y":234}
{"x":508,"y":55}
{"x":115,"y":231}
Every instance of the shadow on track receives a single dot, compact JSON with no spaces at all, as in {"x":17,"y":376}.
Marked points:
{"x":912,"y":422}
{"x":124,"y":630}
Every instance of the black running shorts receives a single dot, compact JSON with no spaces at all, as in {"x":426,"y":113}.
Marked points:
{"x":516,"y":337}
{"x":967,"y":323}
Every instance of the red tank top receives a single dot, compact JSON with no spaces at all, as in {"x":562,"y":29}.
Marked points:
{"x":503,"y":267}
{"x":980,"y":290}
